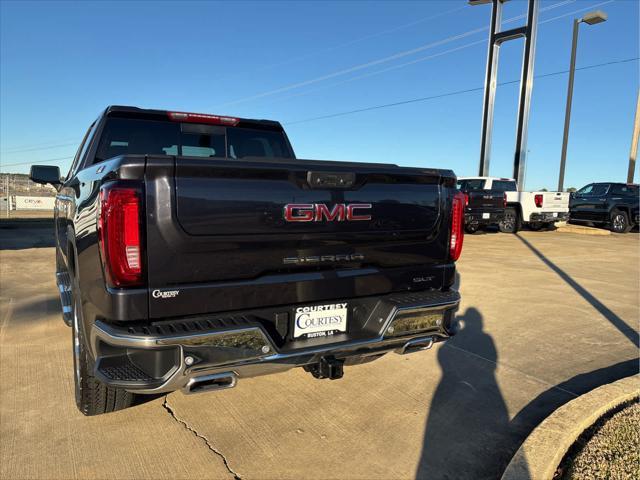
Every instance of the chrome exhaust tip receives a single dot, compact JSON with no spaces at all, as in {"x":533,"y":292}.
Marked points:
{"x":208,"y":383}
{"x":416,"y":345}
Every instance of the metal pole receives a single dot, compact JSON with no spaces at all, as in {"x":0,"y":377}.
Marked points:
{"x":526,"y":87}
{"x":496,"y":38}
{"x":567,"y":114}
{"x":633,"y":154}
{"x":490,"y":89}
{"x":8,"y":197}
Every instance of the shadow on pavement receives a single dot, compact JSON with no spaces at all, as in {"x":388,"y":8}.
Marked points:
{"x":485,"y":230}
{"x":28,"y":234}
{"x":467,"y":431}
{"x":550,"y":400}
{"x":38,"y":309}
{"x":615,"y":320}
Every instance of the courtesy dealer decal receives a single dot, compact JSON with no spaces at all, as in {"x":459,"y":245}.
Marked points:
{"x":307,"y":317}
{"x":165,"y":294}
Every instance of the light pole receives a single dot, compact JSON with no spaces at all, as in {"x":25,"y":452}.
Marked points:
{"x":634,"y":142}
{"x":590,"y":18}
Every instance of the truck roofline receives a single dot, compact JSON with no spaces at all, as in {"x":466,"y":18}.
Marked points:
{"x":486,"y":178}
{"x":131,"y":111}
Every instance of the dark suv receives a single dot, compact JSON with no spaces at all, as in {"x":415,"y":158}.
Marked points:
{"x":613,"y":205}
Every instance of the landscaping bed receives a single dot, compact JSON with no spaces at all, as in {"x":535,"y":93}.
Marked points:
{"x":610,"y":449}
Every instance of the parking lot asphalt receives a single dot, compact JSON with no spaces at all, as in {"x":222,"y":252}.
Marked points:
{"x":546,"y":316}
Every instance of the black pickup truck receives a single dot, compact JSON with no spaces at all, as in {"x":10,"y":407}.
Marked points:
{"x":612,"y":205}
{"x":194,"y":250}
{"x":482,"y":207}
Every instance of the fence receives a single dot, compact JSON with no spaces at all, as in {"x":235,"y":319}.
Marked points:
{"x":19,"y":194}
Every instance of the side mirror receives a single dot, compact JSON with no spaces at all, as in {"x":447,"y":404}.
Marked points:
{"x":45,"y":174}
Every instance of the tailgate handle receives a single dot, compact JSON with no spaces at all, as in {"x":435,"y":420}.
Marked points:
{"x":330,"y":179}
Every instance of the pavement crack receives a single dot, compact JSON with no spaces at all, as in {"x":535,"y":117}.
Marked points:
{"x":169,"y":409}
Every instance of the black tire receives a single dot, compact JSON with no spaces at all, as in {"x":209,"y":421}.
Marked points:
{"x":92,"y":396}
{"x":510,"y":222}
{"x":619,"y":222}
{"x":471,"y":228}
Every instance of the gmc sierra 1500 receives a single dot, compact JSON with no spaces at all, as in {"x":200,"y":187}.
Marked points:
{"x":193,"y":250}
{"x":482,"y":207}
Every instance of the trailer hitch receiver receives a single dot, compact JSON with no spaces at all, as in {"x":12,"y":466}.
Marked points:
{"x":328,"y":367}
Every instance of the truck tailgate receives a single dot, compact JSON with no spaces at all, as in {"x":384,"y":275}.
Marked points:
{"x":218,"y":234}
{"x":485,"y":200}
{"x":555,"y":201}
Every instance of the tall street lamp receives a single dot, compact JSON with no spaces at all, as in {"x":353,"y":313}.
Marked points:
{"x":590,"y":18}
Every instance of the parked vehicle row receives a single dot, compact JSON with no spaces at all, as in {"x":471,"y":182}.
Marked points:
{"x":537,"y":210}
{"x":497,"y":201}
{"x":610,"y":205}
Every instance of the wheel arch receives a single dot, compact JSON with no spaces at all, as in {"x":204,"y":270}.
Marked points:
{"x":518,"y":208}
{"x":622,"y":208}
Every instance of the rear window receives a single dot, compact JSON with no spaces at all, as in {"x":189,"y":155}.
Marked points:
{"x":625,"y":190}
{"x":470,"y":185}
{"x":122,"y":136}
{"x":503,"y":186}
{"x":594,"y":190}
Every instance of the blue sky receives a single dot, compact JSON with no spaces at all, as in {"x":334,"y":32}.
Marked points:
{"x":63,"y":62}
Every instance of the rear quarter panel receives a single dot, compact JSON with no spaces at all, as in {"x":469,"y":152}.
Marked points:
{"x":100,"y":302}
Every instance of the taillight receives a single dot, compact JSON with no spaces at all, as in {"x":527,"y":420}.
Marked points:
{"x":538,"y":199}
{"x":466,"y":199}
{"x":120,"y":234}
{"x":457,"y":224}
{"x":203,"y":118}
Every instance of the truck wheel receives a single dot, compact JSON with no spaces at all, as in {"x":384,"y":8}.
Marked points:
{"x":510,"y":222}
{"x":92,"y":396}
{"x":471,"y":228}
{"x":619,"y":222}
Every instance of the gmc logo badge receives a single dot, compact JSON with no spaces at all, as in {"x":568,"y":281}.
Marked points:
{"x":317,"y":212}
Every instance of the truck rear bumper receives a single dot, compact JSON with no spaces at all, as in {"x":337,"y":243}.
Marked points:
{"x":184,"y":355}
{"x":483,"y":218}
{"x":549,"y":217}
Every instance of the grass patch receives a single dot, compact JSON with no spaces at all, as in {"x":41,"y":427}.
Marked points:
{"x":609,"y":449}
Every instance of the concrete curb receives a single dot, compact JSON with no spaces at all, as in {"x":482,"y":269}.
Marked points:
{"x":582,"y":230}
{"x":541,"y":453}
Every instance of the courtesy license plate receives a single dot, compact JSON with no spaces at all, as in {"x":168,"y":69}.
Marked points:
{"x":486,"y":215}
{"x":320,"y":320}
